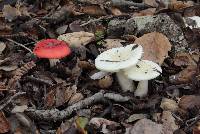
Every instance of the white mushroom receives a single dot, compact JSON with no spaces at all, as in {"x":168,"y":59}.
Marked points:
{"x":117,"y":59}
{"x":143,"y":71}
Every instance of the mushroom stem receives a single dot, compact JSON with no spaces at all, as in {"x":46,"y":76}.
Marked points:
{"x":125,"y":83}
{"x":142,"y":89}
{"x":53,"y":62}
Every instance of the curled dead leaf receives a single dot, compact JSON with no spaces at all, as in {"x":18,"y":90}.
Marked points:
{"x":185,"y":76}
{"x":75,"y":98}
{"x":4,"y":124}
{"x":145,"y":126}
{"x":112,"y":43}
{"x":77,"y":39}
{"x":10,"y":13}
{"x":168,"y":104}
{"x":155,"y":45}
{"x":183,"y":59}
{"x":93,"y":10}
{"x":105,"y":82}
{"x":189,"y":102}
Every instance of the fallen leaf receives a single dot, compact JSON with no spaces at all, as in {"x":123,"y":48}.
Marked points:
{"x":183,"y":59}
{"x":185,"y":76}
{"x":4,"y":124}
{"x":115,"y":11}
{"x":189,"y":101}
{"x":59,"y":95}
{"x":75,"y":98}
{"x":196,"y":128}
{"x":105,"y":82}
{"x":77,"y":39}
{"x":168,"y":121}
{"x":145,"y":126}
{"x":10,"y":13}
{"x":2,"y":47}
{"x":62,"y":29}
{"x":113,"y":43}
{"x":135,"y":117}
{"x":93,"y":10}
{"x":155,"y":45}
{"x":104,"y":123}
{"x":168,"y":104}
{"x":8,"y":68}
{"x":177,"y":5}
{"x":146,"y":12}
{"x":81,"y":123}
{"x":75,"y":26}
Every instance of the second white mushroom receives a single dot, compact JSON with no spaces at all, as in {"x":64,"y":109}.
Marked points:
{"x":143,"y":71}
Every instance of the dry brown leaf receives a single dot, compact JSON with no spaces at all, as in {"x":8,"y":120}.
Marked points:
{"x":115,"y":11}
{"x":77,"y":39}
{"x":59,"y":95}
{"x":168,"y":121}
{"x":155,"y":45}
{"x":4,"y":124}
{"x":168,"y":104}
{"x":104,"y":123}
{"x":196,"y":128}
{"x":179,"y":5}
{"x":86,"y":65}
{"x":75,"y":98}
{"x":105,"y":82}
{"x":146,"y":12}
{"x":2,"y":47}
{"x":112,"y":43}
{"x":145,"y":126}
{"x":183,"y":59}
{"x":189,"y":102}
{"x":93,"y":10}
{"x":152,"y":3}
{"x":8,"y":68}
{"x":185,"y":76}
{"x":10,"y":13}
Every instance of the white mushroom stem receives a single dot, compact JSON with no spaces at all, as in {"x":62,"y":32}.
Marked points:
{"x":142,"y":89}
{"x":53,"y":62}
{"x":125,"y":83}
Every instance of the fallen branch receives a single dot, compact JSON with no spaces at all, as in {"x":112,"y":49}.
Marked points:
{"x":116,"y":97}
{"x":56,"y":115}
{"x":9,"y":99}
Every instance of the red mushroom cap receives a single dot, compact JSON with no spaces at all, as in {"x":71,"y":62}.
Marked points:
{"x":51,"y":49}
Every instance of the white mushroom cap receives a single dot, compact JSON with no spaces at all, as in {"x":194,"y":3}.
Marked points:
{"x":144,"y":70}
{"x":115,"y":59}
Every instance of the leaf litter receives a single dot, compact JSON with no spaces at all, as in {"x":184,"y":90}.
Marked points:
{"x":74,"y":94}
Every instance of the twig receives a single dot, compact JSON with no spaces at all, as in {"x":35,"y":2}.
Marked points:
{"x":116,"y":97}
{"x":7,"y":100}
{"x":21,"y":45}
{"x":56,"y":115}
{"x":95,"y":20}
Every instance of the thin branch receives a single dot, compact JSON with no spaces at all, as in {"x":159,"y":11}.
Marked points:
{"x":56,"y":115}
{"x":9,"y":99}
{"x":21,"y":45}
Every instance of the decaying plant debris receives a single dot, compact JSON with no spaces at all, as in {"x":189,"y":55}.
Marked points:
{"x":74,"y":97}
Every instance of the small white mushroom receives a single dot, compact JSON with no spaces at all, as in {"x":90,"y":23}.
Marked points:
{"x":143,"y":71}
{"x":117,"y":59}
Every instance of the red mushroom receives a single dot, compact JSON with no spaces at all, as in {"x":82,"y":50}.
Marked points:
{"x":52,"y":49}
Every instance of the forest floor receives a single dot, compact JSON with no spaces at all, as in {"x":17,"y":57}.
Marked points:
{"x":73,"y":96}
